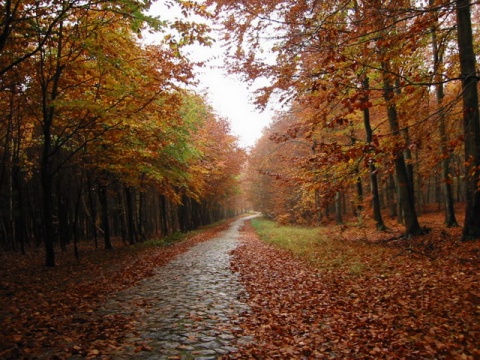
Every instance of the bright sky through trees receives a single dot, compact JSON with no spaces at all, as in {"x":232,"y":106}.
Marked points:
{"x":228,"y":95}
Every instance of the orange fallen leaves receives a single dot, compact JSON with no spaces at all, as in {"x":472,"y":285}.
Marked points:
{"x":417,"y":308}
{"x":53,"y":313}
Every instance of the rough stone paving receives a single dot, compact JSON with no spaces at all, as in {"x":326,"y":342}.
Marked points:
{"x":187,"y":310}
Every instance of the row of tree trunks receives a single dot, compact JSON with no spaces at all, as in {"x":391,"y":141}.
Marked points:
{"x":385,"y":194}
{"x":86,"y":210}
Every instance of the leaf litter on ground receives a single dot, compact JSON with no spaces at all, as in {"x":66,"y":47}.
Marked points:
{"x":52,"y":313}
{"x":398,"y":304}
{"x":404,"y":305}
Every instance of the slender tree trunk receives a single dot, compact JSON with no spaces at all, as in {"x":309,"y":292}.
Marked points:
{"x":318,"y":208}
{"x":47,"y":200}
{"x":338,"y":208}
{"x":358,"y":202}
{"x":471,"y":120}
{"x":6,"y":180}
{"x":358,"y":206}
{"x":377,"y":214}
{"x":63,"y":230}
{"x":407,"y":153}
{"x":164,"y":229}
{"x":93,"y":211}
{"x":103,"y":197}
{"x":132,"y":233}
{"x":75,"y":220}
{"x":406,"y":197}
{"x":141,"y":219}
{"x":49,"y":95}
{"x":450,"y":219}
{"x":21,"y":223}
{"x":392,"y":200}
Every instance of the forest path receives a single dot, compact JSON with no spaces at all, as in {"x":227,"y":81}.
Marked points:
{"x":188,"y":309}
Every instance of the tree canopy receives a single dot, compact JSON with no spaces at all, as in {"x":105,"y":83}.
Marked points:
{"x":99,"y":128}
{"x":371,"y":87}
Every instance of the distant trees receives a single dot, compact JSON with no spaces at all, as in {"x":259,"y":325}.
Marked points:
{"x":97,"y":135}
{"x":389,"y":67}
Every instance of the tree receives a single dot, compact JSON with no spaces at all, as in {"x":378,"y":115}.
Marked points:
{"x":89,"y":110}
{"x":377,"y":214}
{"x":78,"y":90}
{"x":322,"y":51}
{"x":471,"y":120}
{"x":67,"y":123}
{"x":438,"y":55}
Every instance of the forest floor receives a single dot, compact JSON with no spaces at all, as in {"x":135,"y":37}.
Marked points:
{"x":353,"y":293}
{"x":54,"y":313}
{"x":404,"y":299}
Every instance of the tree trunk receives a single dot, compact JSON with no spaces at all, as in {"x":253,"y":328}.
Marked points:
{"x":20,"y":223}
{"x":47,"y":200}
{"x":164,"y":228}
{"x":75,"y":219}
{"x":141,"y":218}
{"x":377,"y":214}
{"x":338,"y":208}
{"x":450,"y":219}
{"x":93,"y":211}
{"x":318,"y":208}
{"x":132,"y":233}
{"x":103,"y":197}
{"x":405,"y":188}
{"x":471,"y":121}
{"x":46,"y":171}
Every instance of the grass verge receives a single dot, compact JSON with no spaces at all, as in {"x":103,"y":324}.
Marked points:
{"x":321,"y":250}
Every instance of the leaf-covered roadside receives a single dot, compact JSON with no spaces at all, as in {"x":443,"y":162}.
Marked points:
{"x":417,"y":308}
{"x":52,"y":313}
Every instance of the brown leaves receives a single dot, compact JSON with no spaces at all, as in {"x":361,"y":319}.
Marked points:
{"x":415,"y":308}
{"x":54,"y":313}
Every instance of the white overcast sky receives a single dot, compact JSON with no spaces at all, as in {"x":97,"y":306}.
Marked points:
{"x":229,"y":97}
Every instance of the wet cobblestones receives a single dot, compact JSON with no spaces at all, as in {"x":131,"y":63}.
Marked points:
{"x":188,"y":309}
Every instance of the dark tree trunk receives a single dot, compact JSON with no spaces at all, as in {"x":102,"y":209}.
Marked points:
{"x":391,"y":197}
{"x":132,"y":233}
{"x":141,"y":218}
{"x":450,"y":219}
{"x":338,"y":208}
{"x":47,"y":201}
{"x":359,"y":201}
{"x":377,"y":214}
{"x":75,"y":221}
{"x":103,"y":197}
{"x":21,"y":223}
{"x":49,"y":95}
{"x":471,"y":121}
{"x":318,"y":208}
{"x":63,"y":225}
{"x":93,"y":211}
{"x":164,"y":228}
{"x":405,"y":188}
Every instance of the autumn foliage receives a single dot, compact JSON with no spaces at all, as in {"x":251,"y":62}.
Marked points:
{"x":375,"y":106}
{"x":101,"y":134}
{"x":104,"y":143}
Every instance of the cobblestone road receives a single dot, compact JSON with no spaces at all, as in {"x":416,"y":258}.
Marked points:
{"x":187,"y":310}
